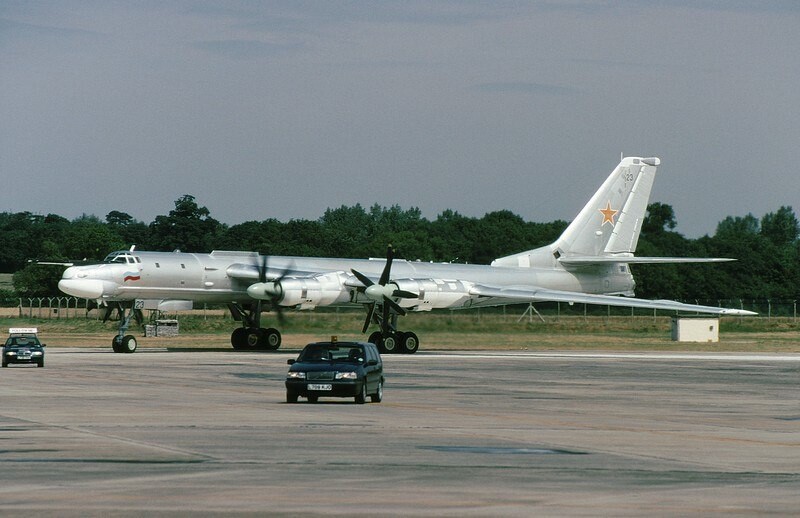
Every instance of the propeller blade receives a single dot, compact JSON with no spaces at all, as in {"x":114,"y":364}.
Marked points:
{"x":363,"y":278}
{"x":392,"y":304}
{"x":387,"y":270}
{"x":385,"y":321}
{"x":262,"y":271}
{"x":402,"y":294}
{"x":370,"y":312}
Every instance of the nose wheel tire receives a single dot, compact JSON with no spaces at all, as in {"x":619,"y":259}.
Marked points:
{"x":127,"y":344}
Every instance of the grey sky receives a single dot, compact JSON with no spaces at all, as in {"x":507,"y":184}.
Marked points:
{"x":282,"y":109}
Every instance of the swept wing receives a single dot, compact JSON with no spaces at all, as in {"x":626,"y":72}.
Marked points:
{"x":534,"y":294}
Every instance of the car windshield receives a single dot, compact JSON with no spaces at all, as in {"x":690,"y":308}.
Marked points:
{"x":22,"y":340}
{"x":326,"y":352}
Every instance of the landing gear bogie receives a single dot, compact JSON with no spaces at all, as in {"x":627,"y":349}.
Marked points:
{"x":396,"y":342}
{"x":256,"y":339}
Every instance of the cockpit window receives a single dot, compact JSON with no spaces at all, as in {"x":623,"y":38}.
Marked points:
{"x":119,"y":257}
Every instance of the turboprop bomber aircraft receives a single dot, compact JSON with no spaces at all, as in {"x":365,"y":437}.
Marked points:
{"x":588,"y":263}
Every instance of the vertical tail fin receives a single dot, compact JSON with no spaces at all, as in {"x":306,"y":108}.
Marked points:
{"x":611,"y":221}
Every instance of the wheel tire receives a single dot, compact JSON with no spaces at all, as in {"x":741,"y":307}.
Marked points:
{"x":291,"y":397}
{"x":5,"y":364}
{"x":377,"y":397}
{"x":129,"y":344}
{"x":313,"y":399}
{"x":116,"y":344}
{"x":361,"y":398}
{"x":272,"y":339}
{"x":390,"y":344}
{"x":254,"y":338}
{"x":377,"y":339}
{"x":409,"y":343}
{"x":239,"y":338}
{"x":40,"y":363}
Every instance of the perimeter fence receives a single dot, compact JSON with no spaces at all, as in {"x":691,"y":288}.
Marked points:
{"x":75,"y":308}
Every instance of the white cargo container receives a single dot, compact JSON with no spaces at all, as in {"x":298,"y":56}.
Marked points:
{"x":693,"y":329}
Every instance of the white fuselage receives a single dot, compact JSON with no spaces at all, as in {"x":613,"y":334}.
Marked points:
{"x":308,"y":282}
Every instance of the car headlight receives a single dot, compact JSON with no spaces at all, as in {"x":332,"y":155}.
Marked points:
{"x":11,"y":353}
{"x":346,"y":375}
{"x":37,"y":353}
{"x":296,"y":375}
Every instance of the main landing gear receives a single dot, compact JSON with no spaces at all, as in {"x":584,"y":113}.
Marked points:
{"x":251,"y":336}
{"x":389,"y":340}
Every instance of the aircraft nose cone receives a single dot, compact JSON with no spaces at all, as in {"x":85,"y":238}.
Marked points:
{"x":82,"y":288}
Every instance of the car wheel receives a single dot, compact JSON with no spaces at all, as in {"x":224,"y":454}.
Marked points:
{"x":291,"y":397}
{"x":361,"y":398}
{"x":313,"y":399}
{"x":116,"y":344}
{"x":40,"y":363}
{"x":5,"y":364}
{"x":377,"y":397}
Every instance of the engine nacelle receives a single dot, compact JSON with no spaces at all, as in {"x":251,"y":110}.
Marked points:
{"x":308,"y":293}
{"x":433,"y":293}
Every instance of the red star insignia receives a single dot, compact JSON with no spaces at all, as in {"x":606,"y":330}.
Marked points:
{"x":608,"y":214}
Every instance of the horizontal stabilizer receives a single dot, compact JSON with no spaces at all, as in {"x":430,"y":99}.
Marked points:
{"x":589,"y":260}
{"x":523,"y":294}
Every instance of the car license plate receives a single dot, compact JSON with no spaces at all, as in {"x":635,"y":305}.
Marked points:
{"x":24,"y":356}
{"x":320,"y":386}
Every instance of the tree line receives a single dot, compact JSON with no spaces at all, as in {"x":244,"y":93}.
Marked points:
{"x":767,"y":249}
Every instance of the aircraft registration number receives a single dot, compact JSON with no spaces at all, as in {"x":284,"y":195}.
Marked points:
{"x":320,"y":386}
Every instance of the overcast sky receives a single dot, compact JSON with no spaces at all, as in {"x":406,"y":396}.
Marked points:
{"x":283,"y":109}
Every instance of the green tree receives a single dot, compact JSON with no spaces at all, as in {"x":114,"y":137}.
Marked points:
{"x":38,"y":280}
{"x":780,"y":227}
{"x":89,"y":238}
{"x":189,"y":228}
{"x":129,"y":230}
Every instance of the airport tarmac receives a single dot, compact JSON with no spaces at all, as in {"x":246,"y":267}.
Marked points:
{"x":177,"y":432}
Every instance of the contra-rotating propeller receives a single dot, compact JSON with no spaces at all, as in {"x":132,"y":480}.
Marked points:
{"x":268,"y":290}
{"x":382,"y":294}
